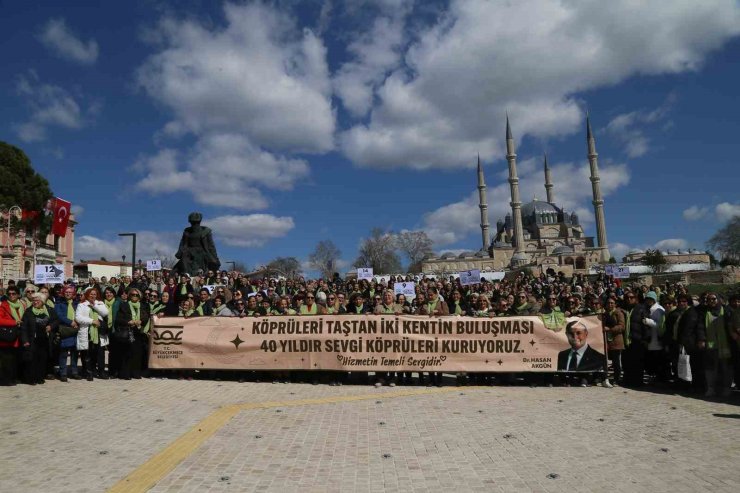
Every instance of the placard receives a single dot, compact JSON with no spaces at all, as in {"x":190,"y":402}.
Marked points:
{"x":379,"y":343}
{"x":365,"y":273}
{"x":49,"y":274}
{"x":469,"y":277}
{"x":152,"y":265}
{"x":617,"y":271}
{"x":408,"y":289}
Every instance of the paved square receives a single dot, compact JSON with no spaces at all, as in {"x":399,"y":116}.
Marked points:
{"x":226,"y":436}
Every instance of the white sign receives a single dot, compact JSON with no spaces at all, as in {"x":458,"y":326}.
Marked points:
{"x":365,"y":273}
{"x":49,"y":274}
{"x":469,"y":277}
{"x":212,"y":287}
{"x":408,"y":289}
{"x":153,"y":265}
{"x":617,"y":271}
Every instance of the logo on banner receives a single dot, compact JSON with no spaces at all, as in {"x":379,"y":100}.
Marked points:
{"x":166,"y":337}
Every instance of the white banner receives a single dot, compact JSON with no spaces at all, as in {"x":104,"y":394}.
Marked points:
{"x":365,"y":273}
{"x":469,"y":277}
{"x":617,"y":271}
{"x":49,"y":274}
{"x":155,"y":264}
{"x":408,"y":289}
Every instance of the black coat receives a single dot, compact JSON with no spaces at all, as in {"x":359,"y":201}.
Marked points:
{"x":639,"y":332}
{"x":691,"y":328}
{"x":34,"y":334}
{"x":124,"y":316}
{"x":592,"y":360}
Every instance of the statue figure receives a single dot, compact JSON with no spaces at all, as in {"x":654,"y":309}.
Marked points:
{"x":197,"y":251}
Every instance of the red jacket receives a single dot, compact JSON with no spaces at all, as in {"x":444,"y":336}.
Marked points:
{"x":7,"y":320}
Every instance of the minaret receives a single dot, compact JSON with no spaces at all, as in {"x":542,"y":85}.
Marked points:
{"x":596,"y":187}
{"x":483,"y":204}
{"x":548,"y":183}
{"x":519,"y":257}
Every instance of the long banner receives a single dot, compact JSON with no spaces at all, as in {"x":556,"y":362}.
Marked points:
{"x":379,"y":343}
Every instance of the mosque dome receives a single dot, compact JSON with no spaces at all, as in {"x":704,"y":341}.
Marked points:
{"x":562,"y":250}
{"x":537,"y":206}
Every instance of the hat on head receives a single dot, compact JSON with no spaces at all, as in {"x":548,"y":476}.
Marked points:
{"x":652,"y":295}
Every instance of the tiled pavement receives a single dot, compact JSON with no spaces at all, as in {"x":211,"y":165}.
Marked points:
{"x":82,"y":436}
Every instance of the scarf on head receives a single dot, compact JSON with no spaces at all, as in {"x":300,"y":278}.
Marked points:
{"x":16,"y":310}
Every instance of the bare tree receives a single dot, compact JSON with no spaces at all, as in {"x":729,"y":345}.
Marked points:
{"x":324,"y":258}
{"x":285,"y":266}
{"x":726,"y":242}
{"x":415,"y":245}
{"x":167,"y":261}
{"x":379,"y":252}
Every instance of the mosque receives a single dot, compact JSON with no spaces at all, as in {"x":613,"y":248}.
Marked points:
{"x":538,"y":235}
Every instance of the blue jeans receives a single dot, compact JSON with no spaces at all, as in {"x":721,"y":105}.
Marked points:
{"x":63,"y":353}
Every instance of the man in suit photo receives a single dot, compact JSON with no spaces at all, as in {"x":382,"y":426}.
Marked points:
{"x":580,"y":356}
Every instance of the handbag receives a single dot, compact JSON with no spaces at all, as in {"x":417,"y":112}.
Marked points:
{"x":684,"y":368}
{"x":8,"y":334}
{"x":66,"y":331}
{"x":123,"y":335}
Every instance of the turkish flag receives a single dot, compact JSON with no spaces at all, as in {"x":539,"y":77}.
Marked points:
{"x":61,"y":217}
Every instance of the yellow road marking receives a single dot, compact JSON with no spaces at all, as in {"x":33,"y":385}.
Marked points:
{"x":144,"y":477}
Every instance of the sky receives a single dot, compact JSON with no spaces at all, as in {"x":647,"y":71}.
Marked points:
{"x":290,"y":122}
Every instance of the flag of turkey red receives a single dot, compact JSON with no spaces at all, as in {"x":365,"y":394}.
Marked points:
{"x":61,"y":217}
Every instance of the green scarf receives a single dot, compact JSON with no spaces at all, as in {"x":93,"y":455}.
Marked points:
{"x":386,"y":309}
{"x":109,"y":305}
{"x":155,"y":308}
{"x":40,"y":311}
{"x":70,"y":311}
{"x":358,"y":309}
{"x":94,"y":337}
{"x":554,"y":320}
{"x":716,"y":333}
{"x":458,"y":309}
{"x":218,"y":309}
{"x":136,"y":315}
{"x":16,"y":309}
{"x":431,"y":306}
{"x":305,"y":311}
{"x":183,"y":289}
{"x":627,"y":337}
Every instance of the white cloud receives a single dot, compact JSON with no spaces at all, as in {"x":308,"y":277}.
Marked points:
{"x":251,"y":92}
{"x":374,"y":53}
{"x":50,"y":106}
{"x":694,"y":213}
{"x":458,"y":77}
{"x":672,"y":244}
{"x":59,"y":38}
{"x":77,"y":210}
{"x":628,"y":128}
{"x":149,"y":244}
{"x":257,"y":75}
{"x":457,"y":221}
{"x":619,"y":250}
{"x":252,"y":230}
{"x":221,"y":170}
{"x":726,"y":211}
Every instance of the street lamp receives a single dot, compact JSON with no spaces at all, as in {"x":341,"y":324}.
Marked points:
{"x":133,"y":256}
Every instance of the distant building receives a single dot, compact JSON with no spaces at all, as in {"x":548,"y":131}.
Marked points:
{"x":537,"y":234}
{"x":19,"y":253}
{"x":86,"y":269}
{"x":689,"y":256}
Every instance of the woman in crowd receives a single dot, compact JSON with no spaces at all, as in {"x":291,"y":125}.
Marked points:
{"x":132,"y":325}
{"x":36,"y":327}
{"x":613,"y":322}
{"x":112,"y":304}
{"x":11,"y":313}
{"x":219,"y":307}
{"x":92,"y":335}
{"x":67,"y":334}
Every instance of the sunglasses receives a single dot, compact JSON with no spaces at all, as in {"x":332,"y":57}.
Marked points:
{"x":310,"y":297}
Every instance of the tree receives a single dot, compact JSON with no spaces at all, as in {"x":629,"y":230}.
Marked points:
{"x":612,"y":260}
{"x":655,"y":260}
{"x":415,"y":245}
{"x":726,"y":241}
{"x":285,"y":266}
{"x":324,"y":258}
{"x":379,"y":252}
{"x":20,"y":185}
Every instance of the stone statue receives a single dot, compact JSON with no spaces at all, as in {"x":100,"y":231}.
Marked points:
{"x":197,"y":251}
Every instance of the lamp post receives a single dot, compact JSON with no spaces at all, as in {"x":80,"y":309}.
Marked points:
{"x":133,"y":255}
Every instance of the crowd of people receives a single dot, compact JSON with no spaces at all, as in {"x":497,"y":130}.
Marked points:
{"x":100,"y":328}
